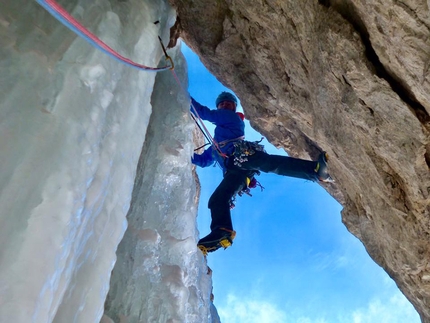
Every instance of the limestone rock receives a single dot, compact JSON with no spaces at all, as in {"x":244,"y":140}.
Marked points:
{"x":349,"y":77}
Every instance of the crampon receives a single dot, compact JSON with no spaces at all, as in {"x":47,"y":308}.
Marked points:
{"x":219,"y":238}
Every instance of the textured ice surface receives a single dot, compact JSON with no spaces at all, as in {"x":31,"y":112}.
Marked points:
{"x":72,"y":124}
{"x":160,"y":275}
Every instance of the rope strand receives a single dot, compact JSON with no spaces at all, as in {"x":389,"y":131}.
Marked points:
{"x":70,"y":22}
{"x":206,"y":132}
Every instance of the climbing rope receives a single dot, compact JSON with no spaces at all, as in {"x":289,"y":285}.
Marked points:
{"x":70,"y":22}
{"x":201,"y":130}
{"x":197,"y":119}
{"x":207,"y":133}
{"x":66,"y":19}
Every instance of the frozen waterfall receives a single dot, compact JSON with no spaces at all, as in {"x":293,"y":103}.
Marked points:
{"x":72,"y":125}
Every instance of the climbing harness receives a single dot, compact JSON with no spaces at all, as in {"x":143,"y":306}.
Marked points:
{"x":70,"y":22}
{"x":225,"y":142}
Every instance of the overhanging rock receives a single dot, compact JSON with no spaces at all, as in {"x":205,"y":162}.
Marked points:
{"x":349,"y":79}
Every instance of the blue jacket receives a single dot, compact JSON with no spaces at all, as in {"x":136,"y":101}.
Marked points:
{"x":228,"y":126}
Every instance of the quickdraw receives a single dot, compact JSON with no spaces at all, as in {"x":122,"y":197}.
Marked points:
{"x":251,"y":182}
{"x":168,"y":58}
{"x":242,"y":150}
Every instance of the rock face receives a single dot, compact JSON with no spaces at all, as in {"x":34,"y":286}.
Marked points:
{"x":349,"y":77}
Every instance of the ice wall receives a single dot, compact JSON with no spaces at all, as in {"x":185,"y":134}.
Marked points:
{"x":160,"y":275}
{"x":72,"y":124}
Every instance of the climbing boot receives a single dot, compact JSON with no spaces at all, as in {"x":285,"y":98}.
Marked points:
{"x":218,"y":238}
{"x":321,"y":169}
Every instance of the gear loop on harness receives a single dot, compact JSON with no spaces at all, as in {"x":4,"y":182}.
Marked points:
{"x":250,"y":182}
{"x":243,"y":149}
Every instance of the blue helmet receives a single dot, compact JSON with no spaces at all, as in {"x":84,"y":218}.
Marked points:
{"x":225,"y":96}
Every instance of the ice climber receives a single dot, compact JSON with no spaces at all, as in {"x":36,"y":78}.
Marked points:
{"x":240,"y":161}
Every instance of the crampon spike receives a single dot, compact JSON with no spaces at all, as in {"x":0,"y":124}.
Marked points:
{"x":203,"y":250}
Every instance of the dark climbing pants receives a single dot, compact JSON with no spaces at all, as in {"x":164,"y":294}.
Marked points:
{"x":235,"y":180}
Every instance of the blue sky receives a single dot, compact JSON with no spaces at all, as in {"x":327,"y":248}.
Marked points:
{"x":292,"y":260}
